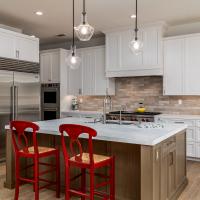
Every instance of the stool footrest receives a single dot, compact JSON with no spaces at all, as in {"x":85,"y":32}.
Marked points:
{"x":79,"y":193}
{"x":103,"y":184}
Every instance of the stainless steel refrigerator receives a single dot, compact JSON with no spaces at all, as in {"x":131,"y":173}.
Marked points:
{"x":19,"y":100}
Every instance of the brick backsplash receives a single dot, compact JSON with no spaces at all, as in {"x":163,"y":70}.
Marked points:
{"x":149,"y":90}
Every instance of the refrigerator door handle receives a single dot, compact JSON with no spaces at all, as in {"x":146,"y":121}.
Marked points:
{"x":12,"y":106}
{"x":16,"y":102}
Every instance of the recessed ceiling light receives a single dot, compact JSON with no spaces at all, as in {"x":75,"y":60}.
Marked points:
{"x":133,"y":16}
{"x":39,"y":13}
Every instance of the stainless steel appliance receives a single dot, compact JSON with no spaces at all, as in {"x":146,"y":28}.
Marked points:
{"x":19,"y":99}
{"x":50,"y":101}
{"x":131,"y":116}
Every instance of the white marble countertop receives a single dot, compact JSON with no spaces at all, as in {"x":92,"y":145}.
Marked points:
{"x":175,"y":116}
{"x":131,"y":134}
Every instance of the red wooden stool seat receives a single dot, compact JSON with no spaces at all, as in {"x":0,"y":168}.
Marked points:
{"x":22,"y":149}
{"x":86,"y":161}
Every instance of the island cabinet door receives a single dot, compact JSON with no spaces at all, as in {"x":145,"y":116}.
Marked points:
{"x":168,"y":169}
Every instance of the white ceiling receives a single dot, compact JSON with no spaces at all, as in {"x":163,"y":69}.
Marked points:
{"x":102,"y":14}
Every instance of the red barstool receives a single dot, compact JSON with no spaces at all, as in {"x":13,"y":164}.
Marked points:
{"x":86,"y":161}
{"x":22,"y":149}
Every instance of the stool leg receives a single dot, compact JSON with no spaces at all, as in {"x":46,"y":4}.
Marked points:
{"x":112,"y":179}
{"x":83,"y":182}
{"x":36,"y":178}
{"x":91,"y":184}
{"x":58,"y":174}
{"x":67,"y":183}
{"x":17,"y":174}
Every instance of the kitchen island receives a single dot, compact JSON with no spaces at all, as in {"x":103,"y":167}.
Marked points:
{"x":150,"y":160}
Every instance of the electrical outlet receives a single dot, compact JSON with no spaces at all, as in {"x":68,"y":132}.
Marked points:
{"x":180,"y":102}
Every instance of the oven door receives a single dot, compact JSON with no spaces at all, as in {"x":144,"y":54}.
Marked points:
{"x":50,"y":113}
{"x":50,"y":97}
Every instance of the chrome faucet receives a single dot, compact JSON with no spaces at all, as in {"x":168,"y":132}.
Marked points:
{"x":107,"y":102}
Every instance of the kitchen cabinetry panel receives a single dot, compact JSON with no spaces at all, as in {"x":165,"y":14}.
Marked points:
{"x":7,"y":47}
{"x":49,"y":66}
{"x":27,"y":49}
{"x":121,"y":62}
{"x":192,"y":63}
{"x":94,"y":81}
{"x":18,"y":46}
{"x":173,"y":67}
{"x":181,"y":65}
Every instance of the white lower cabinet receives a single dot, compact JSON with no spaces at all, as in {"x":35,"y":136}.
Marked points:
{"x":192,"y":133}
{"x":191,"y":149}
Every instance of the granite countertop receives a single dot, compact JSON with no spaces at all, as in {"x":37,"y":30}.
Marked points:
{"x":131,"y":134}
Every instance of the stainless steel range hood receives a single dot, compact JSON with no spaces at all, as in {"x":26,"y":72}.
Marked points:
{"x":18,"y":65}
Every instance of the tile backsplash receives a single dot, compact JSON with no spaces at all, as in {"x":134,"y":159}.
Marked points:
{"x":149,"y":90}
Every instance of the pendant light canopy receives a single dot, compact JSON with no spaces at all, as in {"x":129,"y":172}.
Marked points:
{"x":73,"y":61}
{"x":84,"y":31}
{"x":136,"y":45}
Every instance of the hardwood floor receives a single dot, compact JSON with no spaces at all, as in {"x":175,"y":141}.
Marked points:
{"x":192,"y":191}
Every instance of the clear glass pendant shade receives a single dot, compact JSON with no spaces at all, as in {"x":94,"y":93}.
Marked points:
{"x":84,"y":31}
{"x":73,"y":61}
{"x":136,"y":46}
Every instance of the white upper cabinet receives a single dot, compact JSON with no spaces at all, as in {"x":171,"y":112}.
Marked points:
{"x":18,"y":46}
{"x":173,"y":67}
{"x":7,"y":47}
{"x":182,"y":65}
{"x":192,"y":65}
{"x":121,"y":62}
{"x":94,"y":81}
{"x":27,"y":49}
{"x":50,"y":66}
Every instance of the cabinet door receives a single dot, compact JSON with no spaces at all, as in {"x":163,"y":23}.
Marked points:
{"x":101,"y":82}
{"x":7,"y":47}
{"x":192,"y":65}
{"x":55,"y":67}
{"x":28,"y":49}
{"x":113,"y":41}
{"x":150,"y":48}
{"x":171,"y":172}
{"x":173,"y":66}
{"x":88,"y":72}
{"x":45,"y":67}
{"x":191,"y":149}
{"x":74,"y":86}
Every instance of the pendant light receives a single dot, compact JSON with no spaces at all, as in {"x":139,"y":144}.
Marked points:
{"x":84,"y":31}
{"x":73,"y":61}
{"x":136,"y":45}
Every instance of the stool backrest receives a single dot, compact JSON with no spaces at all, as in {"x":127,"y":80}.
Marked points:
{"x":74,"y":131}
{"x":20,"y":140}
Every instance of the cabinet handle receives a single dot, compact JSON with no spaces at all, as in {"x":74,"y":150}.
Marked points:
{"x":17,"y":54}
{"x":171,"y":158}
{"x":179,"y":122}
{"x":80,"y":91}
{"x":157,"y":155}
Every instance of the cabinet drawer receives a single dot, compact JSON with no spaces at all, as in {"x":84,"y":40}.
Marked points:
{"x":191,"y":134}
{"x":191,"y":149}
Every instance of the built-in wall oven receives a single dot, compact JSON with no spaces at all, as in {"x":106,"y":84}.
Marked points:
{"x":50,"y":101}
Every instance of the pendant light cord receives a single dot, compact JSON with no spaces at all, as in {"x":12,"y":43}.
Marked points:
{"x":73,"y":44}
{"x":136,"y":20}
{"x":84,"y":12}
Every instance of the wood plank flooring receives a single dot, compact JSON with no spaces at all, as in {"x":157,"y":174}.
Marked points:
{"x":192,"y":191}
